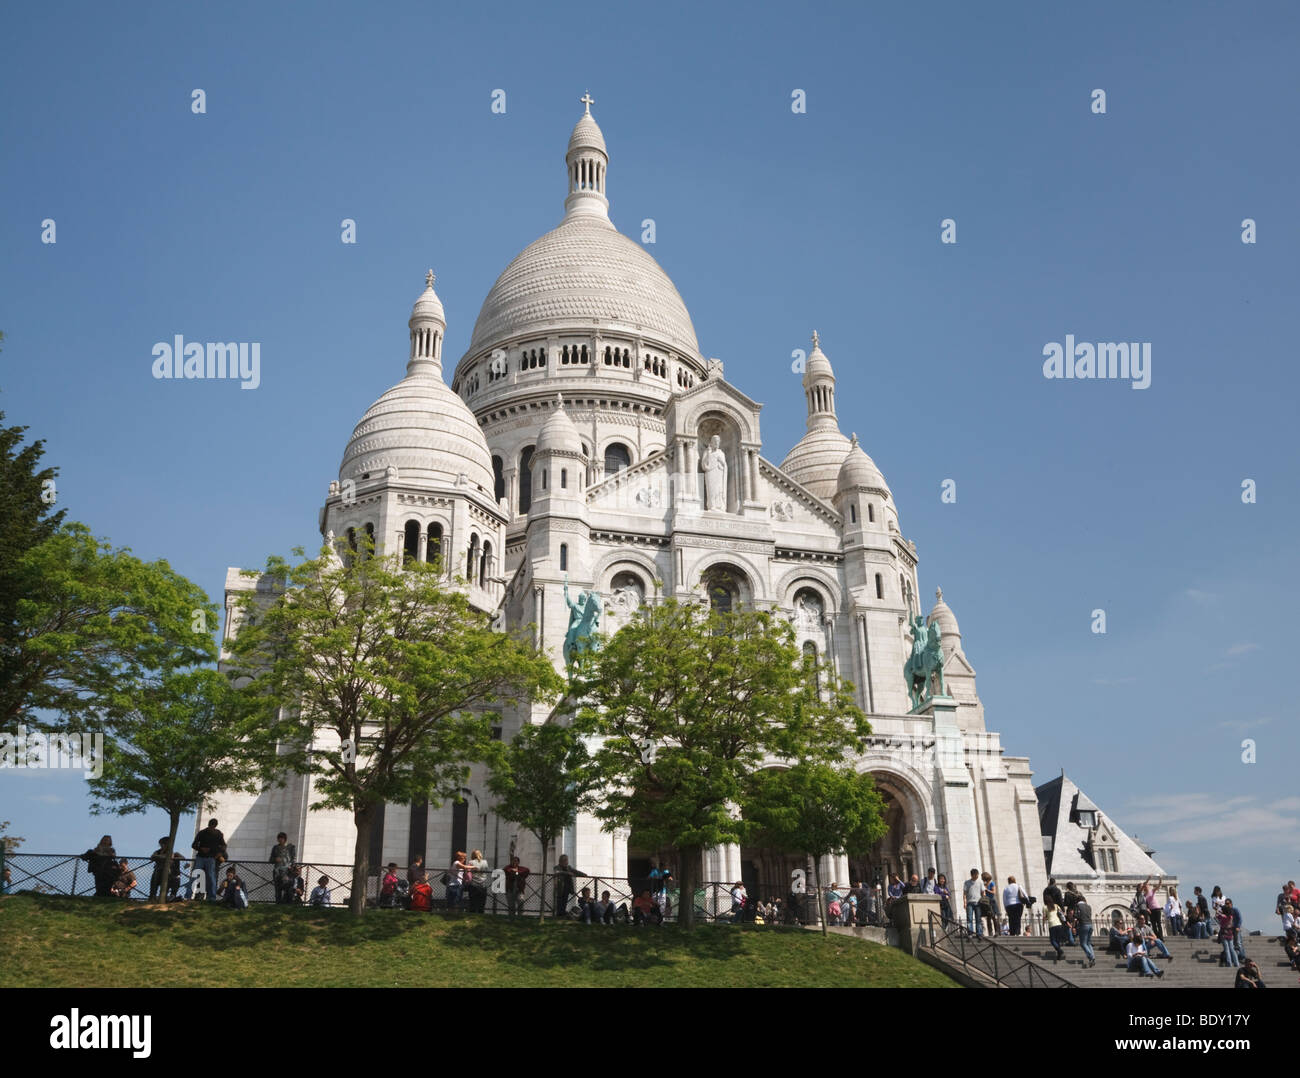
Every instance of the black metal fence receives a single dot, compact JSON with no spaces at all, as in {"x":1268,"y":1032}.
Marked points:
{"x":980,"y":954}
{"x":493,"y":892}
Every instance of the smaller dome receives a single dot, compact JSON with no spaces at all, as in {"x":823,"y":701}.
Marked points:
{"x":859,"y":470}
{"x":942,"y":615}
{"x":428,"y":308}
{"x":587,"y":135}
{"x":558,"y":434}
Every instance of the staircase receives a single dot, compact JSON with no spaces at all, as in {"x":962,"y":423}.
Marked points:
{"x":1195,"y":964}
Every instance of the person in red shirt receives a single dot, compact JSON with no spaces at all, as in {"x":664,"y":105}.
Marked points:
{"x":644,"y":910}
{"x":422,"y":894}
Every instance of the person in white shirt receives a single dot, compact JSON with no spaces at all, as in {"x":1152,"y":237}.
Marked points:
{"x":738,"y":902}
{"x":1013,"y":901}
{"x":927,"y":888}
{"x":973,"y":891}
{"x":1138,"y":960}
{"x":1288,"y":919}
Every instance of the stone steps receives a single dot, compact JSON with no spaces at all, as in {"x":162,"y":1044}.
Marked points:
{"x":1195,"y":965}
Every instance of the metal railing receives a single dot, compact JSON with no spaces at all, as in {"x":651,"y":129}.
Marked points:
{"x":68,"y":874}
{"x":981,"y":955}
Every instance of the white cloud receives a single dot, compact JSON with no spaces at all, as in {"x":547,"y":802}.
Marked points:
{"x":1244,"y":724}
{"x":46,"y":799}
{"x":1198,"y":596}
{"x":1241,"y":649}
{"x":1196,"y":818}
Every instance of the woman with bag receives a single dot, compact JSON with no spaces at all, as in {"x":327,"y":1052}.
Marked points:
{"x":1055,"y":925}
{"x":455,"y":878}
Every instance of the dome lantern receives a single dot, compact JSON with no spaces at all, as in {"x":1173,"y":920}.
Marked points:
{"x":428,"y":325}
{"x":587,"y":160}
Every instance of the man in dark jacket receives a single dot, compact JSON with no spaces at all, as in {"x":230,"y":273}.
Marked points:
{"x":209,"y":845}
{"x":1051,"y":889}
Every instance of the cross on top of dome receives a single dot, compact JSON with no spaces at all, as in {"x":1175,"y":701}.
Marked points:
{"x":428,"y":279}
{"x":587,"y":100}
{"x":816,"y":342}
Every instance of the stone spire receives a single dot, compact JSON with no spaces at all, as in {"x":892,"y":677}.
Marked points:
{"x":587,"y":160}
{"x":819,"y":389}
{"x":428,"y":326}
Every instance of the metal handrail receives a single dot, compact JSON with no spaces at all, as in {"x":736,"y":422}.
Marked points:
{"x":1008,"y":969}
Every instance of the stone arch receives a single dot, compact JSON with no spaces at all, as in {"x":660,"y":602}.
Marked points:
{"x":807,"y":576}
{"x":723,"y":424}
{"x":615,"y":560}
{"x":744,"y":422}
{"x":752,"y":582}
{"x":909,"y":816}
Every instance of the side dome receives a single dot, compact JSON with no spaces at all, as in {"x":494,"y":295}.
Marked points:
{"x":558,"y":434}
{"x":859,"y":470}
{"x":583,"y":274}
{"x":941,"y":614}
{"x":815,"y":461}
{"x":424,"y":430}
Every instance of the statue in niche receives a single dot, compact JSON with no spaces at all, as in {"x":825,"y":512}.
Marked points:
{"x":807,"y":611}
{"x":713,"y":463}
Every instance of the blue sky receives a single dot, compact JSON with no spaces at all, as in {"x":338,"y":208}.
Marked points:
{"x":1071,"y":495}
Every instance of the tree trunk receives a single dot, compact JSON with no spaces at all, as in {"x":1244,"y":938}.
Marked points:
{"x":175,"y":818}
{"x":541,"y":916}
{"x":821,"y":897}
{"x":689,"y":867}
{"x":364,"y":819}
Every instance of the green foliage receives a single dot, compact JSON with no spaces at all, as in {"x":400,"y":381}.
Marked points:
{"x":190,"y":736}
{"x":542,"y":781}
{"x":8,"y":841}
{"x":815,"y":808}
{"x":394,"y":679}
{"x":690,"y":705}
{"x":93,"y":625}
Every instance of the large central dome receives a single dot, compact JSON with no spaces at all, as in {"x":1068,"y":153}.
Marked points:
{"x":584,"y":273}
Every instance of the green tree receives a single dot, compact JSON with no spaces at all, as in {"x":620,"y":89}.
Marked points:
{"x":689,"y":705}
{"x":542,"y":781}
{"x":394,"y":680}
{"x":92,"y":625}
{"x":815,"y":809}
{"x":177,"y":742}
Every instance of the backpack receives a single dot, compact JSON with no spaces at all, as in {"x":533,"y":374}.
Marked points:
{"x":422,"y":897}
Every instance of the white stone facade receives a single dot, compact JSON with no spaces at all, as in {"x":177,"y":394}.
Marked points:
{"x":568,"y":447}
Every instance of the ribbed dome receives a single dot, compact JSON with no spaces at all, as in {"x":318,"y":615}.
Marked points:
{"x":859,"y":470}
{"x":425,"y":430}
{"x":558,"y":433}
{"x":815,"y":460}
{"x":946,"y":619}
{"x":587,"y":136}
{"x":583,"y":274}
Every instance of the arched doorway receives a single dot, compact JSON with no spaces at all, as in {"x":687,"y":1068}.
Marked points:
{"x":902,"y":850}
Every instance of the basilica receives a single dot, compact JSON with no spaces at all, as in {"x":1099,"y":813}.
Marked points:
{"x":584,"y":446}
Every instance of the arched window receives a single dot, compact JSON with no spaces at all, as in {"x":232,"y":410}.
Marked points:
{"x":871,"y":513}
{"x":526,"y":479}
{"x":617,"y":457}
{"x":485,"y":565}
{"x":544,"y":471}
{"x":411,"y":542}
{"x":564,"y":478}
{"x":433,"y":543}
{"x":369,"y":552}
{"x":722,"y":588}
{"x":880,"y":586}
{"x":564,"y":557}
{"x":471,"y":559}
{"x":853,"y":513}
{"x":498,"y":478}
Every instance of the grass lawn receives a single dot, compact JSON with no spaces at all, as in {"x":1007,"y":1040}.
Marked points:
{"x":53,"y":941}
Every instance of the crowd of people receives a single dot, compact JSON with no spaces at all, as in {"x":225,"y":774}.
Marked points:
{"x":987,"y":908}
